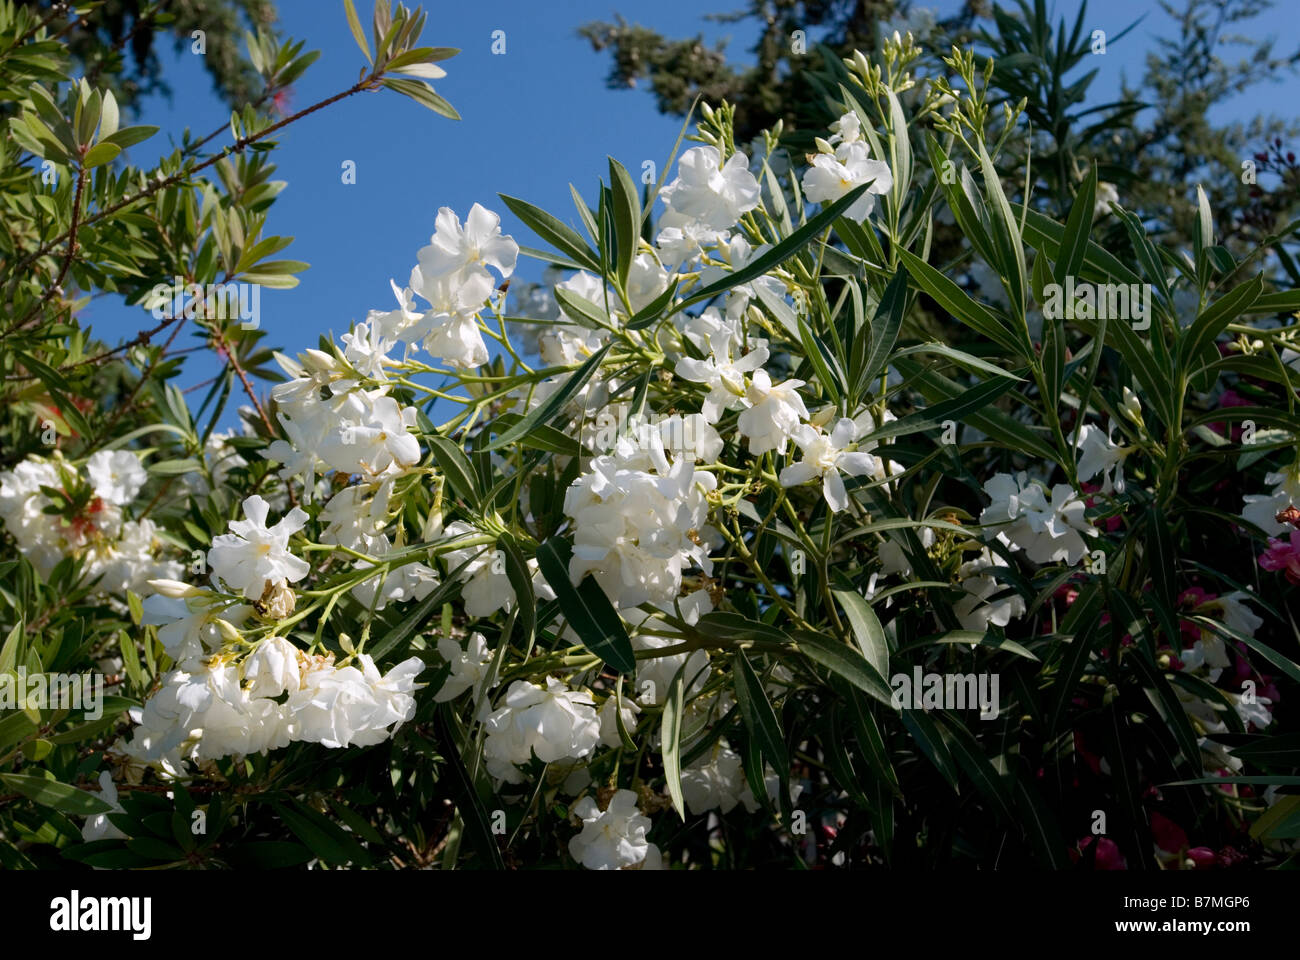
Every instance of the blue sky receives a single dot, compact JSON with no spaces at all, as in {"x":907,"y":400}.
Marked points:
{"x":534,"y":120}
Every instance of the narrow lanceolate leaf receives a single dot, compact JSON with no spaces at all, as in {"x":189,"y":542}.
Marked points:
{"x":472,"y":814}
{"x":870,"y":740}
{"x":1212,"y":322}
{"x":1072,"y":665}
{"x":1169,"y":708}
{"x":1039,"y":825}
{"x":521,"y":582}
{"x":354,"y":24}
{"x":846,"y":662}
{"x":781,"y":252}
{"x":559,"y":235}
{"x":654,"y":310}
{"x":965,"y":749}
{"x":867,"y":629}
{"x":959,"y":303}
{"x":1074,"y":241}
{"x":671,"y":739}
{"x":957,"y":409}
{"x":884,"y":334}
{"x":586,"y":607}
{"x":52,"y":793}
{"x":627,"y":217}
{"x":545,"y":411}
{"x":456,"y":468}
{"x":760,"y":719}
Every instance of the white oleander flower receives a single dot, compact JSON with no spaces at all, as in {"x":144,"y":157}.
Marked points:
{"x":832,"y":176}
{"x":97,"y":825}
{"x":639,"y":521}
{"x":1262,"y":508}
{"x":254,"y":556}
{"x":116,"y":475}
{"x":614,"y":839}
{"x":346,"y":706}
{"x":468,"y":666}
{"x":976,"y":610}
{"x":608,"y":714}
{"x":187,"y":618}
{"x":1098,"y":454}
{"x":552,"y":723}
{"x":709,"y":191}
{"x":487,"y":585}
{"x":680,"y":239}
{"x":646,"y":281}
{"x":775,"y":411}
{"x":366,"y":348}
{"x":272,"y":668}
{"x":477,"y":244}
{"x":825,"y":457}
{"x":654,"y":675}
{"x":724,"y":370}
{"x":715,"y":780}
{"x":1022,"y":517}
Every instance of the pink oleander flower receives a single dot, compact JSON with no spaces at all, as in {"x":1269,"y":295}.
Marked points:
{"x":1283,"y":555}
{"x":1108,"y":855}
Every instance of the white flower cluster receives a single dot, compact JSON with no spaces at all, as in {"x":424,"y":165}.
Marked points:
{"x":639,"y":521}
{"x":331,"y":418}
{"x":615,"y":838}
{"x":839,"y":169}
{"x":120,"y":553}
{"x":552,"y":723}
{"x":217,"y":707}
{"x":1022,"y":517}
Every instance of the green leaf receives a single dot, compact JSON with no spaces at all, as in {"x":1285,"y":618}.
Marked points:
{"x":671,"y":738}
{"x":52,"y":793}
{"x":958,"y":408}
{"x":959,"y":357}
{"x":965,"y":749}
{"x":1213,"y":321}
{"x":354,"y":24}
{"x":548,"y":408}
{"x":927,"y":737}
{"x":724,"y":625}
{"x":554,"y":232}
{"x":866,"y":629}
{"x":885,"y":325}
{"x":466,"y":797}
{"x":586,"y":607}
{"x":522,"y":583}
{"x":422,"y":94}
{"x":846,"y":662}
{"x":100,"y":154}
{"x":959,"y":303}
{"x":627,"y":217}
{"x":1072,"y":665}
{"x":870,"y":741}
{"x":652,"y":311}
{"x":760,"y":719}
{"x":325,"y":838}
{"x":456,"y":468}
{"x":130,"y":136}
{"x":1074,"y":240}
{"x":1040,"y":826}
